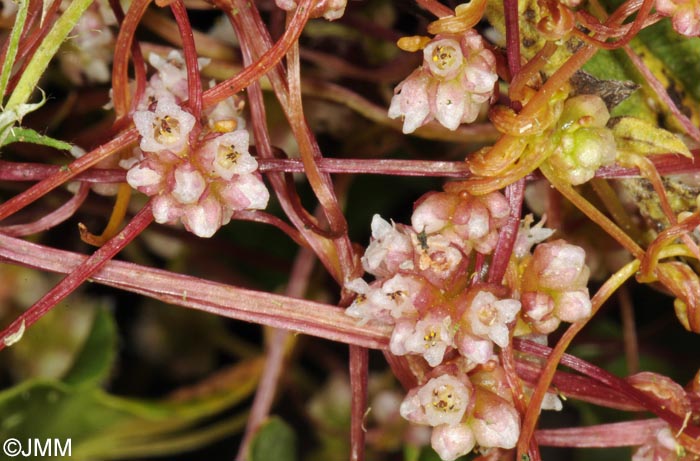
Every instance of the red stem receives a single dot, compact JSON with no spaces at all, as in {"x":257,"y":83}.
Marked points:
{"x":194,"y":83}
{"x":86,"y":269}
{"x":515,"y":193}
{"x":628,"y":433}
{"x":298,"y":315}
{"x":359,"y":360}
{"x":275,"y":355}
{"x":52,"y":219}
{"x":510,"y":10}
{"x":136,"y":56}
{"x":120,"y":66}
{"x":65,"y":173}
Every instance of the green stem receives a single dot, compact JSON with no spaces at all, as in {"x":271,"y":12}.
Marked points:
{"x":46,"y":51}
{"x":592,"y":212}
{"x":13,"y":45}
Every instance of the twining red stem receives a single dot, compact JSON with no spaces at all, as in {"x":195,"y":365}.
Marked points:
{"x":298,"y":315}
{"x":78,"y":275}
{"x":194,"y":83}
{"x":515,"y":193}
{"x":51,"y":219}
{"x":66,"y":173}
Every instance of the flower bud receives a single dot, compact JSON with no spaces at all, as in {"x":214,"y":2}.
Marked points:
{"x":451,"y":442}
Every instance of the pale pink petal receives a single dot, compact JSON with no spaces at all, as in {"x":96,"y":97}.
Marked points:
{"x":451,"y":442}
{"x":189,"y":184}
{"x":204,"y":218}
{"x":450,"y":102}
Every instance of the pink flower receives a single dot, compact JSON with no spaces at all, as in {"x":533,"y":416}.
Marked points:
{"x":189,"y":191}
{"x":329,"y":9}
{"x":555,"y":286}
{"x":457,"y":77}
{"x":442,"y":400}
{"x":470,"y":222}
{"x":412,"y":101}
{"x":559,"y":266}
{"x":437,"y":256}
{"x":451,"y":442}
{"x":473,"y":348}
{"x":495,"y":422}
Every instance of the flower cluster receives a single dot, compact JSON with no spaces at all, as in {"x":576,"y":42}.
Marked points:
{"x":89,"y":51}
{"x":685,"y":15}
{"x":554,"y":286}
{"x":428,"y":288}
{"x":329,"y":9}
{"x":200,"y":183}
{"x":455,"y":80}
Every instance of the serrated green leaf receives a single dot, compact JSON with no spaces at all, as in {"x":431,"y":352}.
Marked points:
{"x":18,"y":134}
{"x":641,"y":137}
{"x":93,"y":363}
{"x":275,"y":440}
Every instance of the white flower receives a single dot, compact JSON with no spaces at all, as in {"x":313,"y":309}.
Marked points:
{"x":166,"y":128}
{"x":397,"y":295}
{"x":329,"y":9}
{"x":488,"y":316}
{"x":361,"y":308}
{"x":530,"y":236}
{"x":429,"y":337}
{"x":228,"y":155}
{"x":389,"y":249}
{"x":457,"y":77}
{"x":442,"y":400}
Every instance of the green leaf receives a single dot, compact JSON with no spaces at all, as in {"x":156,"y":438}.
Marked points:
{"x":641,"y":137}
{"x":275,"y":440}
{"x":13,"y":45}
{"x":680,"y":55}
{"x":103,"y":426}
{"x":45,"y":53}
{"x":94,"y":361}
{"x":18,"y":134}
{"x":614,"y":65}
